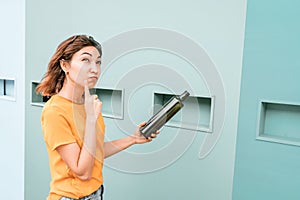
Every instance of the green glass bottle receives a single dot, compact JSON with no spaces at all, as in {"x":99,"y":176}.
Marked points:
{"x":168,"y":110}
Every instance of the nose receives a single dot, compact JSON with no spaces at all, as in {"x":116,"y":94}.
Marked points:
{"x":94,"y":68}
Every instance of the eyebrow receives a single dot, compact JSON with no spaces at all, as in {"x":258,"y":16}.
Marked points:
{"x":89,"y":54}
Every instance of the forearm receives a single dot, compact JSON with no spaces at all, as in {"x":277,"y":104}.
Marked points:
{"x":115,"y":146}
{"x":87,"y":154}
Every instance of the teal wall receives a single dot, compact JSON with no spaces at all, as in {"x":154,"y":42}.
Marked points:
{"x":218,"y":30}
{"x":267,"y":165}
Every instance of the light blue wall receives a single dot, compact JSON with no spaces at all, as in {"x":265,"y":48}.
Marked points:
{"x":269,"y":170}
{"x":218,"y":30}
{"x":12,"y":121}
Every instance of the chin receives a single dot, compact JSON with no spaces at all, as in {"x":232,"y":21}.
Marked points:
{"x":92,"y":84}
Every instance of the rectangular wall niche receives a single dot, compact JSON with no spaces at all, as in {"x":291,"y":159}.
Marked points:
{"x":112,"y":102}
{"x":37,"y":99}
{"x":7,"y":89}
{"x":197,"y":113}
{"x":279,"y":122}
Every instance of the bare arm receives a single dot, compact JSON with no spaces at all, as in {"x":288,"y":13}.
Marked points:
{"x":81,"y":160}
{"x":115,"y":146}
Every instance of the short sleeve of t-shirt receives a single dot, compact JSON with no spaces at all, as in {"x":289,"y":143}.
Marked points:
{"x":56,"y":129}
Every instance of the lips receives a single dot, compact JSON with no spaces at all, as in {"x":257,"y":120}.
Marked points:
{"x":93,"y":78}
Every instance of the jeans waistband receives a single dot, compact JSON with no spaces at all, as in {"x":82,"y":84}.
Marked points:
{"x":97,"y":195}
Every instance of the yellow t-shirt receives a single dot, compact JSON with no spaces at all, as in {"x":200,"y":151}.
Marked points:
{"x":63,"y":122}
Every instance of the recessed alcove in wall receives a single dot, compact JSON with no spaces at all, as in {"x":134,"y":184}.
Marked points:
{"x":7,"y":89}
{"x":112,"y":102}
{"x":279,"y":122}
{"x":36,"y":98}
{"x":198,"y":112}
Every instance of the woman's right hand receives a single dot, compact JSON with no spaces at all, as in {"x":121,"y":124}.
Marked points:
{"x":92,"y":104}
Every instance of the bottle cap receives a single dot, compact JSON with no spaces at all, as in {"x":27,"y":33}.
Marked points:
{"x":184,"y":95}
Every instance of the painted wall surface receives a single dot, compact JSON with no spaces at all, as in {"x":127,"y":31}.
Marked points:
{"x":268,"y":167}
{"x":12,"y":122}
{"x":211,"y":33}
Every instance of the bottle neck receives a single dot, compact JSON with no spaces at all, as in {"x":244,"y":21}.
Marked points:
{"x":184,"y":95}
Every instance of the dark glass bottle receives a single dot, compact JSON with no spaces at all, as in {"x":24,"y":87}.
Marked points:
{"x":168,"y":110}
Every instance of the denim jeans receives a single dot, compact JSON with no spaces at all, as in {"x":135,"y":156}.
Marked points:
{"x":97,"y":195}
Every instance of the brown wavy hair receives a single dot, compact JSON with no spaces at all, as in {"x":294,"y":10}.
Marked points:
{"x":54,"y":78}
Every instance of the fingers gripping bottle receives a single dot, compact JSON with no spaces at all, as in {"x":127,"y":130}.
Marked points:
{"x":168,"y":110}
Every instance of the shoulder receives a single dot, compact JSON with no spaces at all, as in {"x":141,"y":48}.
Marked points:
{"x":55,"y":107}
{"x":56,"y":103}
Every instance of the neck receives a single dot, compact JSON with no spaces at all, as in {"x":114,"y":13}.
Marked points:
{"x":72,"y":91}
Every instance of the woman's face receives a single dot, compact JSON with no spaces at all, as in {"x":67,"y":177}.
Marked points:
{"x":85,"y":65}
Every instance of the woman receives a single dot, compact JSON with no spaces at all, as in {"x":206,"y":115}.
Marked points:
{"x":72,"y":122}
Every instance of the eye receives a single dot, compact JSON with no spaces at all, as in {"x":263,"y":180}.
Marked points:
{"x":85,"y":60}
{"x":98,"y":62}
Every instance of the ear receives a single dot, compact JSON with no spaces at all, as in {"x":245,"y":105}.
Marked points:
{"x":64,"y":65}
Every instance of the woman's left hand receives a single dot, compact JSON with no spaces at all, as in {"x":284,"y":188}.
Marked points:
{"x":139,"y":138}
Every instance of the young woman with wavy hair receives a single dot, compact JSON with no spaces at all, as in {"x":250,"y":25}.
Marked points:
{"x":72,"y":123}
